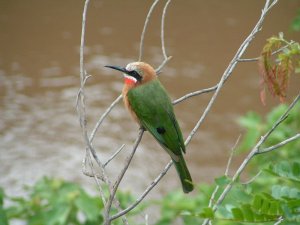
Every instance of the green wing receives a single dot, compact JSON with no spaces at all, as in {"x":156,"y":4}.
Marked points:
{"x":154,"y":109}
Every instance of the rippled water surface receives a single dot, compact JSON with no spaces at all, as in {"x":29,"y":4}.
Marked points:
{"x":39,"y":79}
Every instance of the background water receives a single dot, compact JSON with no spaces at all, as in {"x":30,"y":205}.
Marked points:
{"x":39,"y":79}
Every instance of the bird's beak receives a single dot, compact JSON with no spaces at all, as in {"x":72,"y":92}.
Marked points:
{"x":122,"y":69}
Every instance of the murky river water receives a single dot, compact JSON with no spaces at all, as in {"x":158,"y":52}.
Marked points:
{"x":39,"y":80}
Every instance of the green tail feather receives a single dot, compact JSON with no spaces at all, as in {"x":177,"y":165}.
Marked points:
{"x":184,"y":175}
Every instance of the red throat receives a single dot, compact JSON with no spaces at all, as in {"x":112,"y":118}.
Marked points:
{"x":129,"y":81}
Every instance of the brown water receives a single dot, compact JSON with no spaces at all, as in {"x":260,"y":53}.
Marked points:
{"x":39,"y":78}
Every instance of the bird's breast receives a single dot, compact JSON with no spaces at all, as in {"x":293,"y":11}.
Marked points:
{"x":127,"y":104}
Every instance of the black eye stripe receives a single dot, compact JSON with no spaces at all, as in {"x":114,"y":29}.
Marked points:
{"x":135,"y":74}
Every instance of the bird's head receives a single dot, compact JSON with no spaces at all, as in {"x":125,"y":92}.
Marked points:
{"x":136,"y":73}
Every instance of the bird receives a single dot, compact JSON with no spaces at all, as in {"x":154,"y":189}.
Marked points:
{"x":150,"y":106}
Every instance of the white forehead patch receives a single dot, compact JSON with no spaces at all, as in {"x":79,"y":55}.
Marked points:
{"x":132,"y":66}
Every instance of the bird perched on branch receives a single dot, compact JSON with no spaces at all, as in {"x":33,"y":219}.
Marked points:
{"x":150,"y":106}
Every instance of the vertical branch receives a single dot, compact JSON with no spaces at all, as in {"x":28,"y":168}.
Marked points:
{"x":145,"y":27}
{"x":162,"y":37}
{"x":162,"y":32}
{"x":80,"y":105}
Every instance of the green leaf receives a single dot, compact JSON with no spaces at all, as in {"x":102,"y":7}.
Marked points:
{"x":295,"y":25}
{"x":3,"y":216}
{"x":286,"y":170}
{"x":208,"y":213}
{"x":248,"y":214}
{"x":58,"y":215}
{"x":237,"y":214}
{"x":250,"y":120}
{"x":91,"y":207}
{"x":223,"y":180}
{"x":279,"y":192}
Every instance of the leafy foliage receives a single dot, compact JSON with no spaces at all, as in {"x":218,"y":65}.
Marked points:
{"x":56,"y":202}
{"x":276,"y":69}
{"x":295,"y":25}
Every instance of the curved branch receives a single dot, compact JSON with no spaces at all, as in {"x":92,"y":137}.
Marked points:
{"x":98,"y":124}
{"x":145,"y":27}
{"x":271,"y":148}
{"x":162,"y":32}
{"x":192,"y":94}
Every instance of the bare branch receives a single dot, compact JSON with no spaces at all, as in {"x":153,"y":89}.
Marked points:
{"x":114,"y":155}
{"x":273,"y":53}
{"x":280,"y":120}
{"x":231,"y":155}
{"x":85,"y":170}
{"x":145,"y":27}
{"x":192,"y":94}
{"x":274,"y":147}
{"x":163,"y":30}
{"x":162,"y":36}
{"x":279,"y":221}
{"x":158,"y":70}
{"x":95,"y":177}
{"x":253,"y":178}
{"x":83,"y":118}
{"x":212,"y":197}
{"x":98,"y":124}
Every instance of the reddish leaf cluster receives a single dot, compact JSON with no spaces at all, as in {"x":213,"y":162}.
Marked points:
{"x":275,"y":71}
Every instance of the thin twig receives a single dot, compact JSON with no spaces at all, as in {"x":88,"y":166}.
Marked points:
{"x":88,"y":156}
{"x":273,"y":53}
{"x":253,"y":178}
{"x":114,"y":155}
{"x":85,"y":170}
{"x":279,"y":221}
{"x":271,"y":148}
{"x":158,"y":69}
{"x":145,"y":27}
{"x":231,"y":155}
{"x":104,"y":115}
{"x":212,"y":197}
{"x":162,"y":32}
{"x":281,"y":119}
{"x":192,"y":94}
{"x":162,"y":37}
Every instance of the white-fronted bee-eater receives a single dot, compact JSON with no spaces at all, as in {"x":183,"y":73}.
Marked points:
{"x":150,"y":106}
